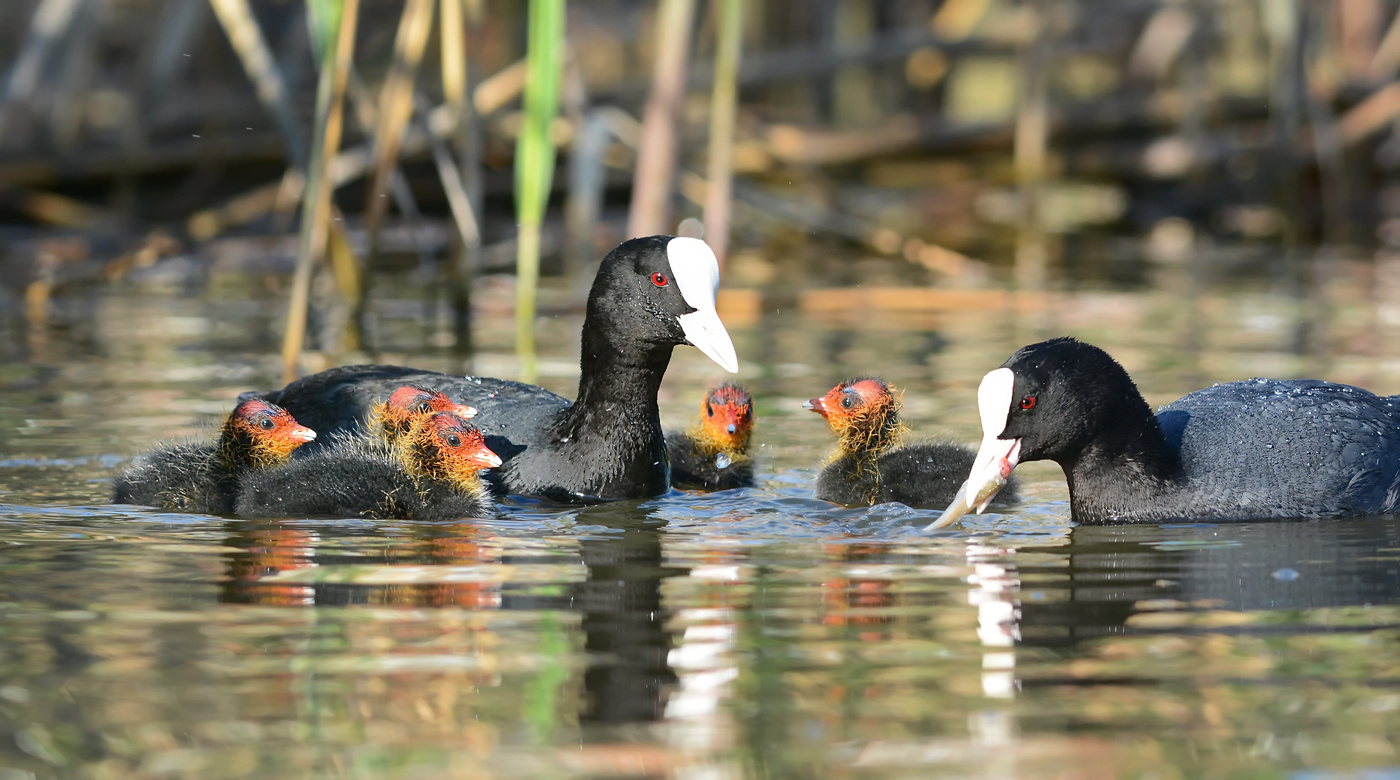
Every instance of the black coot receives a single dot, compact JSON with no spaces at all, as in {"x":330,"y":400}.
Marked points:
{"x":714,"y":453}
{"x":203,"y":476}
{"x":1251,"y":450}
{"x":430,"y":472}
{"x":869,"y":465}
{"x":650,"y":294}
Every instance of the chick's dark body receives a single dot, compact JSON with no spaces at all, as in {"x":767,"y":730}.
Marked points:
{"x":353,"y":476}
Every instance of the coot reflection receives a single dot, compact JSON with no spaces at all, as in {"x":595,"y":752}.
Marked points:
{"x":1114,"y":571}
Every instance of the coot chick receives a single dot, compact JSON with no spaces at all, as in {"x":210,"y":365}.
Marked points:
{"x":1254,"y":450}
{"x":429,"y":473}
{"x":394,"y":416}
{"x":203,"y":476}
{"x":714,"y":453}
{"x":869,"y":465}
{"x":649,"y":295}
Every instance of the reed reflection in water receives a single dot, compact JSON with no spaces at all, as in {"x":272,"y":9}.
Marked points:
{"x":751,"y":633}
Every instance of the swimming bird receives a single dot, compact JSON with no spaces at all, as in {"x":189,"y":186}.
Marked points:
{"x":1257,"y":449}
{"x":649,"y":295}
{"x":871,"y":463}
{"x":713,"y":454}
{"x":431,"y":472}
{"x":202,"y":476}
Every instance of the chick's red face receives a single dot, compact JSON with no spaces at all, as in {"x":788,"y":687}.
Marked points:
{"x":271,"y":426}
{"x":460,"y":444}
{"x":848,"y":400}
{"x":409,"y":400}
{"x":728,"y":412}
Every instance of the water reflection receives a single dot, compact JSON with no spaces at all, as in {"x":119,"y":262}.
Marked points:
{"x":748,"y":633}
{"x":616,"y":595}
{"x":745,"y":654}
{"x":1115,"y":573}
{"x":624,"y":620}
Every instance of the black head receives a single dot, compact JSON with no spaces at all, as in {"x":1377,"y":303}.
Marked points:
{"x":1059,"y":400}
{"x":1062,"y":394}
{"x":659,"y":290}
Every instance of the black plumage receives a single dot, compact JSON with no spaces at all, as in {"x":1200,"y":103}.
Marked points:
{"x":925,"y":475}
{"x":1255,"y":449}
{"x":363,"y":476}
{"x":355,"y":476}
{"x":713,"y":454}
{"x":696,"y":467}
{"x":871,"y":465}
{"x":203,"y":476}
{"x":184,"y":477}
{"x":608,"y":443}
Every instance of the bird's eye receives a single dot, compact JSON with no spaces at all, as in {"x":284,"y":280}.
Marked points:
{"x":1028,"y":402}
{"x":659,"y":279}
{"x":847,"y":402}
{"x":709,"y":410}
{"x":453,"y":440}
{"x":266,"y":423}
{"x":424,"y":408}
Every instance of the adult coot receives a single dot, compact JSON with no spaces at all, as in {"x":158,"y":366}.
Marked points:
{"x":871,"y":465}
{"x":430,"y":472}
{"x":1252,"y":450}
{"x":713,"y":454}
{"x":203,"y":476}
{"x":650,"y":294}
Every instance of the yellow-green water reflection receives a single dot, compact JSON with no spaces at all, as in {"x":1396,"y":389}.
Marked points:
{"x":751,"y":633}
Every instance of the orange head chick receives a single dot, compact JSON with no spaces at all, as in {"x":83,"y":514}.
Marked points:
{"x":258,"y":434}
{"x":443,"y":447}
{"x":726,"y":421}
{"x":392,"y":418}
{"x":864,"y":413}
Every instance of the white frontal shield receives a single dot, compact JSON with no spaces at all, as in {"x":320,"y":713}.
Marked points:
{"x":696,"y":271}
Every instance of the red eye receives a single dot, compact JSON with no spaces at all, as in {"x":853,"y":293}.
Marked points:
{"x":658,"y":279}
{"x":1028,"y":402}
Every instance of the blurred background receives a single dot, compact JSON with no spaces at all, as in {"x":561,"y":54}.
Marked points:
{"x":842,"y":155}
{"x":198,"y":197}
{"x":202,"y":197}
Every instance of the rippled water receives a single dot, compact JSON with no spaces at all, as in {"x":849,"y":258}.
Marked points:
{"x":749,"y":633}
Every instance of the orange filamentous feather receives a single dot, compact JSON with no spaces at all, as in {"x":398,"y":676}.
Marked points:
{"x":426,"y":460}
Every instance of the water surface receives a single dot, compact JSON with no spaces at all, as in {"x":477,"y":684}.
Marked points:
{"x":749,"y":633}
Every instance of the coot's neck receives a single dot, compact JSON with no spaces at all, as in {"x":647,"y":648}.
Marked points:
{"x":707,"y":444}
{"x":861,"y":473}
{"x":1126,"y":465}
{"x":237,"y":452}
{"x":385,"y":424}
{"x":874,"y":434}
{"x":426,"y":463}
{"x":616,"y":402}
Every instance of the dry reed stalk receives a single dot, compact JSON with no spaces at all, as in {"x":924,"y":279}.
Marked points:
{"x":656,"y":160}
{"x":316,"y":199}
{"x":723,"y":104}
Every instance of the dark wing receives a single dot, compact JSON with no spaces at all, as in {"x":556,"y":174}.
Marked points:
{"x":511,"y":414}
{"x":1287,"y":448}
